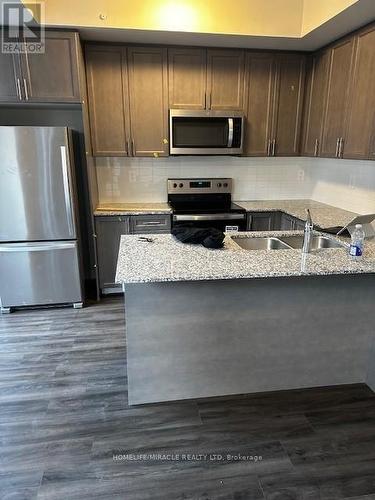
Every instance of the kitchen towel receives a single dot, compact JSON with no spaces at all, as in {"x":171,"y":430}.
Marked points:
{"x":209,"y":237}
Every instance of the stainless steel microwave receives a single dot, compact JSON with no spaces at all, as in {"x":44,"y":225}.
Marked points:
{"x":206,"y":132}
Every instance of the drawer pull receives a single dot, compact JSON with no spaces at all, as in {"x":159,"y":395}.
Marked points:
{"x":151,"y":223}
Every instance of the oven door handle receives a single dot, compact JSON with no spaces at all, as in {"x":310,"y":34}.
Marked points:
{"x":202,"y":217}
{"x":230,"y":132}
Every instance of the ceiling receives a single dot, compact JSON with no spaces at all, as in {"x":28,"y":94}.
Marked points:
{"x":262,"y":24}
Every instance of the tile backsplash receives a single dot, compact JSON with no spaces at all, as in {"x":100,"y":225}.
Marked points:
{"x":342,"y":183}
{"x":145,"y":179}
{"x":348,"y":184}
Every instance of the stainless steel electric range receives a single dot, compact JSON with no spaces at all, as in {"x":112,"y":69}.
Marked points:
{"x":205,"y":203}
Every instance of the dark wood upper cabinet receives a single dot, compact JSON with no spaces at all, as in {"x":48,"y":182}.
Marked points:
{"x":53,"y":76}
{"x":187,"y":78}
{"x":360,"y":121}
{"x":148,"y":95}
{"x":274,"y":87}
{"x":288,"y":104}
{"x":225,"y":79}
{"x":10,"y":78}
{"x":206,"y":78}
{"x":128,"y":100}
{"x":260,"y":86}
{"x":107,"y":85}
{"x":316,"y":86}
{"x":338,"y":93}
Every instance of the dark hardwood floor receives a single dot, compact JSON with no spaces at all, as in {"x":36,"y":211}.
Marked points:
{"x":64,"y":416}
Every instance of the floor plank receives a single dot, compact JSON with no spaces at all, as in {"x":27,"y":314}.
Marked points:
{"x":64,"y":418}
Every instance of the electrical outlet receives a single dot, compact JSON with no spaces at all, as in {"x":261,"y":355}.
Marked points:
{"x":301,"y":175}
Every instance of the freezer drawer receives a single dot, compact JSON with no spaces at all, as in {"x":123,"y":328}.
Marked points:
{"x":39,"y":274}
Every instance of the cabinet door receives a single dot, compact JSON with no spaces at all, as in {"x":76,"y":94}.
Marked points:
{"x":108,"y":99}
{"x":288,"y":104}
{"x":317,"y":76}
{"x":260,"y":84}
{"x":361,"y":113}
{"x":10,"y":78}
{"x":262,"y":221}
{"x":287,"y":222}
{"x":53,"y":76}
{"x":187,"y":78}
{"x":148,"y":101}
{"x":108,"y":233}
{"x":225,"y":79}
{"x":299,"y":224}
{"x":337,"y":97}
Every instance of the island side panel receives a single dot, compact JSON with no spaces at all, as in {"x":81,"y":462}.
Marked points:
{"x":210,"y":338}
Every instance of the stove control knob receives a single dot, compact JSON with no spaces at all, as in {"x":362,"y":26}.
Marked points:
{"x":225,"y":184}
{"x":219,"y":184}
{"x":181,"y":185}
{"x":174,"y":185}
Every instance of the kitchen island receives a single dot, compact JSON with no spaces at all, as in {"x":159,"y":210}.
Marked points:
{"x":203,"y":322}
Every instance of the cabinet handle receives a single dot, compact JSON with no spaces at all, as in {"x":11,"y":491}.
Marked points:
{"x":269,"y":148}
{"x":18,"y":86}
{"x":210,"y":101}
{"x":273,"y":147}
{"x":128,"y":147}
{"x":152,"y":223}
{"x":133,"y":148}
{"x":341,"y":151}
{"x":316,"y":149}
{"x":205,"y":100}
{"x":26,"y":92}
{"x":337,"y":147}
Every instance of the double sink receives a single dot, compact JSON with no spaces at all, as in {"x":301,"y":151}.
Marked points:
{"x":285,"y":242}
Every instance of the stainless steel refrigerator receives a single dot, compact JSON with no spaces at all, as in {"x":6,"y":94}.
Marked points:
{"x":39,"y":254}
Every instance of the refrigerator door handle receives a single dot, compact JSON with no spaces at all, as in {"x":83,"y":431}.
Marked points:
{"x":37,"y":247}
{"x":68,"y":204}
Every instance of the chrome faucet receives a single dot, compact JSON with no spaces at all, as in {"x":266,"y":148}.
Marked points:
{"x":309,"y":227}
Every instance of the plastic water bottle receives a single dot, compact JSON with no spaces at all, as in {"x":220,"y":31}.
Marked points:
{"x":357,"y":243}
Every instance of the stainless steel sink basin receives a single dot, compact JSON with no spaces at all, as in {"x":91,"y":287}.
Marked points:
{"x":317,"y":242}
{"x":260,"y":243}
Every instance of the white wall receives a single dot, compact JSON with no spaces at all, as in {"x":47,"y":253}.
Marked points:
{"x":343,"y":183}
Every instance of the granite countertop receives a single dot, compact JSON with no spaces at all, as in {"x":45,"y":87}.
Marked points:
{"x":323,"y":215}
{"x":132,"y":209}
{"x":166,"y":259}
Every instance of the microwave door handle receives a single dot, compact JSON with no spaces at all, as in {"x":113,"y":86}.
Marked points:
{"x":230,"y":132}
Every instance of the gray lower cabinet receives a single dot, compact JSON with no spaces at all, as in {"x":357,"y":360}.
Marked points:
{"x":290,"y":223}
{"x":273,"y":221}
{"x":143,"y":224}
{"x":108,"y":232}
{"x":261,"y":221}
{"x":299,"y":225}
{"x":286,"y":222}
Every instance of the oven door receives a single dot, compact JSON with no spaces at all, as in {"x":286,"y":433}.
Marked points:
{"x":228,"y":222}
{"x":205,"y":133}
